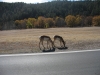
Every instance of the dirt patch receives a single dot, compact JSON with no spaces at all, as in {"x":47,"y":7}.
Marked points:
{"x":27,"y":40}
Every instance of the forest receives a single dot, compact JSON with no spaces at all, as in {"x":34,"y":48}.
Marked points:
{"x":57,"y":13}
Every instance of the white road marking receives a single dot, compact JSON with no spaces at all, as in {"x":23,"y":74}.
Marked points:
{"x":28,"y":54}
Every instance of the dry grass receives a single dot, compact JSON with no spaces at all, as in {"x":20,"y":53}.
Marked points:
{"x":26,"y":41}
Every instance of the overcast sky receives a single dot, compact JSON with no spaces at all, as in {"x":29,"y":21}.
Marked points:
{"x":26,"y":1}
{"x":29,"y":1}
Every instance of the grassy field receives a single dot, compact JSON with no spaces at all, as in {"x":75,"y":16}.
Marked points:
{"x":27,"y":40}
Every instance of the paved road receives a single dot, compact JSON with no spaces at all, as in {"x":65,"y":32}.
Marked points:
{"x":65,"y":63}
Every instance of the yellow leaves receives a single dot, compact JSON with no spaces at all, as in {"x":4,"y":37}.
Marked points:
{"x":78,"y":20}
{"x":49,"y":22}
{"x":17,"y":22}
{"x":20,"y":24}
{"x":30,"y":22}
{"x":96,"y":21}
{"x":73,"y":21}
{"x":41,"y":22}
{"x":70,"y":20}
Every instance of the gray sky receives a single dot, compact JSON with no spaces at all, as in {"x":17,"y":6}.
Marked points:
{"x":26,"y":1}
{"x":29,"y":1}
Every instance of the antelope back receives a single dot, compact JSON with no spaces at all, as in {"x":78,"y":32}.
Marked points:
{"x":57,"y":37}
{"x":45,"y":38}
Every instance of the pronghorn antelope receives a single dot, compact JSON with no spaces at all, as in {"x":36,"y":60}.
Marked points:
{"x":45,"y":38}
{"x":60,"y":39}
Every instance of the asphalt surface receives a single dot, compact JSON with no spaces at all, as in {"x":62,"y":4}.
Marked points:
{"x":63,"y":63}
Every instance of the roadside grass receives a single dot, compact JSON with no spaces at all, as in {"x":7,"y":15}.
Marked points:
{"x":27,"y":40}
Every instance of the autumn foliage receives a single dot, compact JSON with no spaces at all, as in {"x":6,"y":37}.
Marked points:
{"x":69,"y":21}
{"x":56,"y":13}
{"x":96,"y":21}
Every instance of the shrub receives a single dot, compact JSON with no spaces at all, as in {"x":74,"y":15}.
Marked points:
{"x":78,"y":20}
{"x":70,"y":20}
{"x":49,"y":22}
{"x":88,"y":21}
{"x":59,"y":22}
{"x":96,"y":21}
{"x":29,"y":25}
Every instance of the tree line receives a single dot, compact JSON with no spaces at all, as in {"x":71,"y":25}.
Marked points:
{"x":69,"y":21}
{"x":56,"y":9}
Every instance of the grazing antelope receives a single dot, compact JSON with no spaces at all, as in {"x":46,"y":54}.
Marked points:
{"x":45,"y":38}
{"x":60,"y":39}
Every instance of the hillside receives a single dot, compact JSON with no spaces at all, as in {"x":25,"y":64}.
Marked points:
{"x":10,"y":12}
{"x":14,"y":11}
